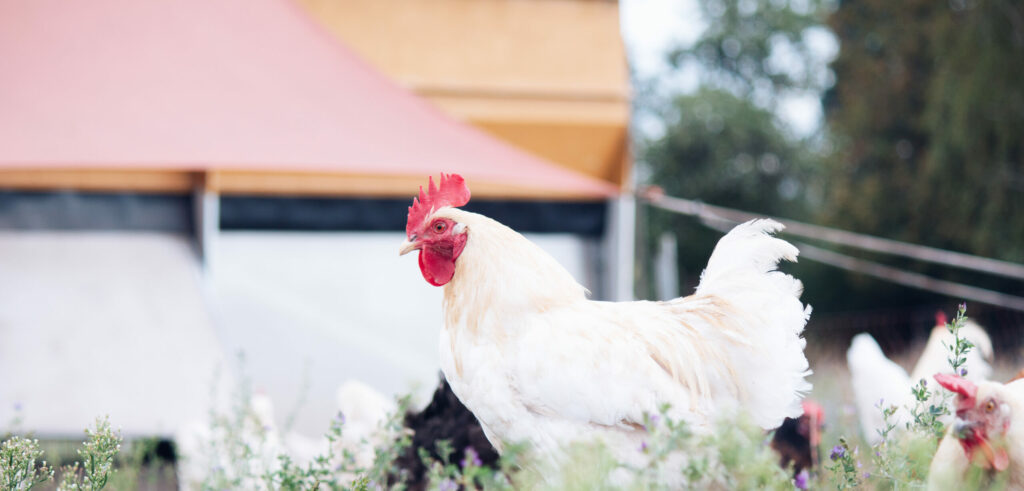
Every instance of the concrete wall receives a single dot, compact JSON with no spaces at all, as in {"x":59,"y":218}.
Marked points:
{"x":320,"y":308}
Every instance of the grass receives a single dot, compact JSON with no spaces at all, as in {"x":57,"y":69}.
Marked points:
{"x":240,"y":454}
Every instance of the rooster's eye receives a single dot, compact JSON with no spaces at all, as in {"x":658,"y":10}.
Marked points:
{"x":990,"y":406}
{"x":439,"y":227}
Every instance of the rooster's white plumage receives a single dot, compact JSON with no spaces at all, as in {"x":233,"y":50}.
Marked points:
{"x":537,"y":362}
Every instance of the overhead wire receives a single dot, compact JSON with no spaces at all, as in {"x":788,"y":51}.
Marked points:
{"x":722,"y":218}
{"x":847,"y":238}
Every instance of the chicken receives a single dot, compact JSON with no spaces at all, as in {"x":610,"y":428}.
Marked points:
{"x":875,"y":378}
{"x":247,"y":443}
{"x":985,"y":443}
{"x":537,"y":362}
{"x":238,"y":448}
{"x":798,"y":439}
{"x":445,"y":418}
{"x":935,"y":355}
{"x":365,"y":411}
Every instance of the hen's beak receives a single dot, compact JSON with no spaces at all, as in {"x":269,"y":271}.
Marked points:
{"x":962,"y":428}
{"x":408,"y":246}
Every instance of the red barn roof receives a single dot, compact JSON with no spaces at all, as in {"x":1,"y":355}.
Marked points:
{"x":232,"y":85}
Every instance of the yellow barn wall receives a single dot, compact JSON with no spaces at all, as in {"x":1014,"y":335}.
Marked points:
{"x":549,"y":76}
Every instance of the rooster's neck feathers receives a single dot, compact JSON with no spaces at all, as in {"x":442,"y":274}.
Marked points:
{"x":502,"y":271}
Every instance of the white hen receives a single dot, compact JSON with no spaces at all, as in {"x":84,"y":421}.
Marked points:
{"x":875,"y":378}
{"x":230,"y":449}
{"x":365,"y":410}
{"x":985,"y":444}
{"x":934,"y":358}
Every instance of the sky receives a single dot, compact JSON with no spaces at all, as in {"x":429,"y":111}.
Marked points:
{"x":651,"y":27}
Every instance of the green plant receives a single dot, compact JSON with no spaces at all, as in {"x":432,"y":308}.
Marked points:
{"x":902,"y":457}
{"x":961,"y":346}
{"x":97,"y":465}
{"x":844,"y":466}
{"x":18,"y":470}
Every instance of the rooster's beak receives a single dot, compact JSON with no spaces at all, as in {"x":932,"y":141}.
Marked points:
{"x":408,"y":246}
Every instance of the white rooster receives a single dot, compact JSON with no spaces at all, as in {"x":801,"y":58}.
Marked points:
{"x":537,"y":362}
{"x":875,"y":378}
{"x":985,"y":443}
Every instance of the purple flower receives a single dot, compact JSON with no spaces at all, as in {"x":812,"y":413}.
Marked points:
{"x":866,"y":475}
{"x":447,"y":485}
{"x":654,"y":420}
{"x":17,"y":406}
{"x":963,"y":372}
{"x":341,"y":417}
{"x":643,"y":446}
{"x":924,"y":382}
{"x":471,"y":458}
{"x":800,"y":482}
{"x":838,"y":452}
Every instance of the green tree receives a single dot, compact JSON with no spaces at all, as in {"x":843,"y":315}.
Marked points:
{"x":722,"y":149}
{"x":928,"y":117}
{"x":758,"y":49}
{"x":923,"y":143}
{"x":724,"y":144}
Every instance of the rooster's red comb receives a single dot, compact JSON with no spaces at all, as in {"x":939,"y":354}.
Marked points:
{"x":940,"y":318}
{"x":452,"y":192}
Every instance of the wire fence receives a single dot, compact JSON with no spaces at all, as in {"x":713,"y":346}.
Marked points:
{"x":899,"y":330}
{"x":722,"y":218}
{"x":895,"y":329}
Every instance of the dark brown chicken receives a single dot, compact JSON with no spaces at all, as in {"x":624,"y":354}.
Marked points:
{"x":445,"y":418}
{"x":798,"y":439}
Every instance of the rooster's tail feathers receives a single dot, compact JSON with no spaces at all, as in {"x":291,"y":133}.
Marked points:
{"x":742,"y":271}
{"x":750,"y":249}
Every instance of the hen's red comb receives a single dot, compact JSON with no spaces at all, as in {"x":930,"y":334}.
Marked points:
{"x":812,"y":408}
{"x":452,"y":192}
{"x":966,"y":389}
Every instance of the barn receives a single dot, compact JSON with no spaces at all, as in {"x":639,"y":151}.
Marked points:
{"x":183,"y":184}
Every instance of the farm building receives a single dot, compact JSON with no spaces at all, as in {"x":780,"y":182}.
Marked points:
{"x":184,"y":181}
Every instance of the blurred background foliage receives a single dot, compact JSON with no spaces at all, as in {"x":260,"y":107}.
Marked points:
{"x":928,"y":114}
{"x":922,"y":138}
